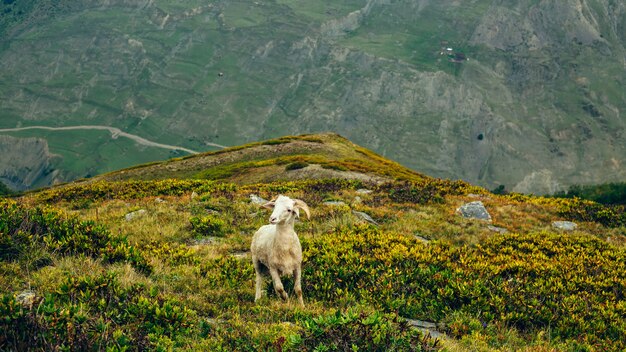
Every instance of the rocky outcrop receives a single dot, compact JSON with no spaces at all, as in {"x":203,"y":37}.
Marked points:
{"x":474,"y":210}
{"x":350,"y":22}
{"x":564,"y":225}
{"x":25,"y":163}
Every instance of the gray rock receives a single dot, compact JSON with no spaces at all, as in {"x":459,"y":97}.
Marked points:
{"x":363,"y":191}
{"x":358,"y":200}
{"x":132,"y":215}
{"x":474,"y":210}
{"x":257,"y":200}
{"x":194,"y":195}
{"x":497,"y":229}
{"x":159,"y":200}
{"x":240,"y":255}
{"x":365,"y":217}
{"x":426,"y":327}
{"x":203,"y":241}
{"x":421,"y":239}
{"x":564,"y":225}
{"x":334,"y":203}
{"x":26,"y":299}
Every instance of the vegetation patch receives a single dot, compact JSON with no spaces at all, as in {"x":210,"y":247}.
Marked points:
{"x":572,"y":285}
{"x":24,"y":230}
{"x":608,"y":193}
{"x":577,"y":209}
{"x":86,"y":313}
{"x":209,"y":225}
{"x":534,"y":289}
{"x":296,"y":165}
{"x":358,"y":330}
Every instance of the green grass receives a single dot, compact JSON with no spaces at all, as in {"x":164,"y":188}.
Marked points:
{"x":323,"y":10}
{"x":106,"y":154}
{"x":394,"y":33}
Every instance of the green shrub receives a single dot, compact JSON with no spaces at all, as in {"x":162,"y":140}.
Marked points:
{"x":88,"y":312}
{"x":573,"y":285}
{"x":427,"y":191}
{"x":4,"y":190}
{"x":209,"y":225}
{"x":334,"y":166}
{"x":356,"y":330}
{"x":100,"y":190}
{"x":608,"y":193}
{"x":22,"y":227}
{"x":296,"y":165}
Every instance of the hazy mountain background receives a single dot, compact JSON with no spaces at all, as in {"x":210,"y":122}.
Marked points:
{"x":537,"y":105}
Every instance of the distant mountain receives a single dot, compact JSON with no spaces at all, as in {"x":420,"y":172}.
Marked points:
{"x":526,"y":94}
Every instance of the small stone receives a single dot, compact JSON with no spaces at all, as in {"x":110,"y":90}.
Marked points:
{"x":365,"y":217}
{"x":159,"y":200}
{"x":363,"y":191}
{"x":421,"y":239}
{"x":135,"y":214}
{"x":474,"y":210}
{"x":358,"y":200}
{"x":421,"y":324}
{"x":497,"y":229}
{"x":26,"y":299}
{"x":257,"y":200}
{"x":240,"y":255}
{"x":564,"y":225}
{"x":334,"y":203}
{"x":202,"y":241}
{"x":426,"y":327}
{"x":194,"y":195}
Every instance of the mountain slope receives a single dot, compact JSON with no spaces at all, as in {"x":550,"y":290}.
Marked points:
{"x":318,"y":156}
{"x":537,"y":106}
{"x":147,"y":259}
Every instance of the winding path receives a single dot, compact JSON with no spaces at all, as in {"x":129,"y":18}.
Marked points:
{"x":115,"y":133}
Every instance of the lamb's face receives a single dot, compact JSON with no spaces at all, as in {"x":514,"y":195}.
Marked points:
{"x":285,"y":210}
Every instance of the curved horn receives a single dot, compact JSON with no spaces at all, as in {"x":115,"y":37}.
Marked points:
{"x":302,"y":205}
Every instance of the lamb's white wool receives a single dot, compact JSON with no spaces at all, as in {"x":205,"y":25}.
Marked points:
{"x":277,"y":247}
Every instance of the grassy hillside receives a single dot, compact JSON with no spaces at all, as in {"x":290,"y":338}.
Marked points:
{"x":315,"y":156}
{"x":162,"y":262}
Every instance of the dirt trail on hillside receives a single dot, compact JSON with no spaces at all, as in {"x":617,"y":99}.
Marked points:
{"x":115,"y":133}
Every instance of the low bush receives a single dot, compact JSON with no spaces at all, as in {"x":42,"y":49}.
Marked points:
{"x":91,"y":312}
{"x":296,"y":165}
{"x":22,"y":228}
{"x":573,"y":285}
{"x":208,"y":225}
{"x":358,"y":330}
{"x":100,"y":190}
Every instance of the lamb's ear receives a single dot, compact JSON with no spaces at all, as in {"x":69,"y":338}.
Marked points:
{"x":302,"y":205}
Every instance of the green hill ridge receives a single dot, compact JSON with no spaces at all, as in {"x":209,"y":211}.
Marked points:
{"x":156,"y":257}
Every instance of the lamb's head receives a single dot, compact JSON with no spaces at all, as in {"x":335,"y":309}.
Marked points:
{"x":286,"y":210}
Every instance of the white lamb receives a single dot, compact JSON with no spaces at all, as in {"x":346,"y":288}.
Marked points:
{"x":276,"y":247}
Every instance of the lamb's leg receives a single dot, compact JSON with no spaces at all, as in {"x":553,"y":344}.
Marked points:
{"x":297,"y":274}
{"x":278,"y":285}
{"x":259,"y":280}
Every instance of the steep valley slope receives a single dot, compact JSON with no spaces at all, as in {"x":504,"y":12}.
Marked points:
{"x":527,"y":94}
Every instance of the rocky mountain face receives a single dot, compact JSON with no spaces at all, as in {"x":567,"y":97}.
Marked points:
{"x":527,"y":94}
{"x":25,"y":163}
